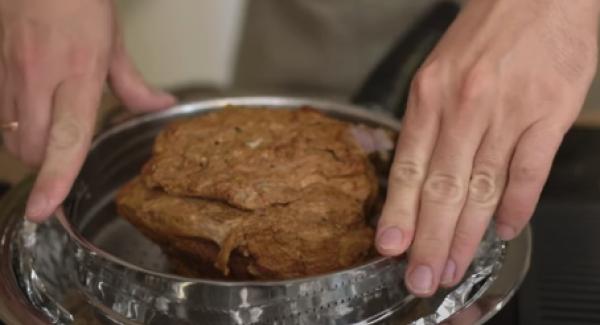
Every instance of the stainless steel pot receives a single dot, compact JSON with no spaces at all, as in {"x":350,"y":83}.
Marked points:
{"x":93,"y":267}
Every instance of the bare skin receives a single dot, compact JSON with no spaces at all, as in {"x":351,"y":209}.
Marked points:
{"x":486,"y":114}
{"x":55,"y":60}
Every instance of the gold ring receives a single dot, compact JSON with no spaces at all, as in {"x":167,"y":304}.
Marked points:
{"x":10,"y":126}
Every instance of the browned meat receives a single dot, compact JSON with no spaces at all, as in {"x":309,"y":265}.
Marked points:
{"x":322,"y":231}
{"x":255,"y":193}
{"x":253,"y":158}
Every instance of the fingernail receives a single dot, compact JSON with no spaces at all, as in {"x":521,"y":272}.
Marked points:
{"x":35,"y":207}
{"x":449,"y":271}
{"x":420,"y":280}
{"x":390,"y":239}
{"x":505,"y":232}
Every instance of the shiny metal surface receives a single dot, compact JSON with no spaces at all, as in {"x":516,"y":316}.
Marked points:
{"x":15,"y":307}
{"x":60,"y":289}
{"x":103,"y":269}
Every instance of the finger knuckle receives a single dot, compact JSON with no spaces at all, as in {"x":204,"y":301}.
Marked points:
{"x":65,"y":134}
{"x":426,"y":80}
{"x":477,"y":82}
{"x":406,"y":173}
{"x":84,"y":60}
{"x":445,"y":188}
{"x":483,"y":187}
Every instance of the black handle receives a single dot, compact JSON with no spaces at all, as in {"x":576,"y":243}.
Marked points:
{"x":388,"y":84}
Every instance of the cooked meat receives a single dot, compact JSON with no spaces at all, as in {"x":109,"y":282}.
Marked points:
{"x":322,"y":231}
{"x":253,"y":158}
{"x":256,"y":194}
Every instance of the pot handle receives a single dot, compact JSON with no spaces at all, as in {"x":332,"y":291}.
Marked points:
{"x":388,"y":85}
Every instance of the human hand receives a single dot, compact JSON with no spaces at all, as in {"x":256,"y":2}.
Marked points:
{"x":486,"y":114}
{"x":56,"y":56}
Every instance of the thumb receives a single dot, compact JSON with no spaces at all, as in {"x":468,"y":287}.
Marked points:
{"x":130,"y":87}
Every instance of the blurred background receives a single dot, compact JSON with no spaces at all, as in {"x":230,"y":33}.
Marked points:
{"x":182,"y":42}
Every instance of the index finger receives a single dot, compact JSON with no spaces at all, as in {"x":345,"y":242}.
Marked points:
{"x":73,"y":119}
{"x":396,"y":226}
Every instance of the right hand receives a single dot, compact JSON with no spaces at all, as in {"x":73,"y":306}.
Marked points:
{"x":56,"y":56}
{"x":486,"y":115}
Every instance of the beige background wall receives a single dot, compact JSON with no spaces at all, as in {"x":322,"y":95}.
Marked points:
{"x":180,"y":42}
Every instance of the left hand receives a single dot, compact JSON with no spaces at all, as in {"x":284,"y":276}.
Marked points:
{"x":486,"y":114}
{"x":55,"y":59}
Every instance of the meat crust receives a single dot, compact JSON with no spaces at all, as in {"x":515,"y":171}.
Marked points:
{"x":324,"y":230}
{"x":253,"y":158}
{"x":255,"y":194}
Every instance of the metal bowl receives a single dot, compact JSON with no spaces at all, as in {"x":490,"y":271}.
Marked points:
{"x":124,"y":277}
